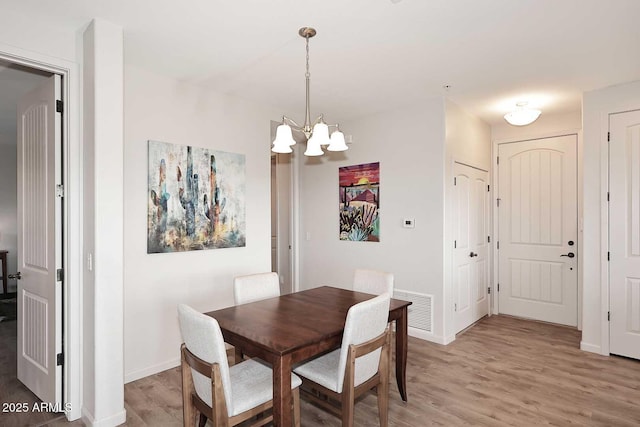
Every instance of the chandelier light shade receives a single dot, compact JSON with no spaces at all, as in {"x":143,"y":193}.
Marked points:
{"x":522,"y":115}
{"x":317,"y":134}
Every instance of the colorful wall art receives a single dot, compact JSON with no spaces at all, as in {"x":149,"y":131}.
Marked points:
{"x":196,"y":198}
{"x":360,"y":202}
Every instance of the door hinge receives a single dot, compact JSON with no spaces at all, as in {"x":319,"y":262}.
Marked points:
{"x":498,"y":202}
{"x":455,"y":244}
{"x":607,"y":196}
{"x":489,"y":289}
{"x":488,"y":188}
{"x":608,"y":316}
{"x":60,"y":190}
{"x":455,"y":307}
{"x":488,"y":239}
{"x":608,"y":256}
{"x":60,"y":275}
{"x":498,"y":160}
{"x":59,"y":106}
{"x":498,"y":245}
{"x":608,"y":136}
{"x":498,"y":287}
{"x":455,"y":181}
{"x":59,"y":359}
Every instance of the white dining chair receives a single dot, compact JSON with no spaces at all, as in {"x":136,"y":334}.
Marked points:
{"x":373,"y":282}
{"x":255,"y":287}
{"x":226,"y":395}
{"x":360,"y":364}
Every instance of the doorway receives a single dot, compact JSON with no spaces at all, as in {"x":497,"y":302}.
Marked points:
{"x":16,"y":83}
{"x":538,"y":229}
{"x":471,"y":245}
{"x":282,"y":217}
{"x":624,"y":234}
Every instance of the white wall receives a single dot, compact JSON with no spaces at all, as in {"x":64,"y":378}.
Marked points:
{"x":409,"y":144}
{"x":8,"y":207}
{"x":161,"y":109}
{"x":468,"y":141}
{"x":596,"y":107}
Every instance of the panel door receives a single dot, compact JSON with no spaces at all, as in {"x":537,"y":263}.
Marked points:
{"x":538,"y":274}
{"x":40,"y":242}
{"x":624,"y":234}
{"x":471,"y":245}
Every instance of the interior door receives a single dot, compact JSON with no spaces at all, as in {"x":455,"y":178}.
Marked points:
{"x":538,"y":275}
{"x":471,"y":244}
{"x":624,"y":234}
{"x":40,"y":241}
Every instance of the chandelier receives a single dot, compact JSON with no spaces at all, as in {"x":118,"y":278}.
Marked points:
{"x":522,"y":115}
{"x":317,"y":134}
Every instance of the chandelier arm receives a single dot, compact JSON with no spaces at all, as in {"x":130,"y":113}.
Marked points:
{"x":292,"y":123}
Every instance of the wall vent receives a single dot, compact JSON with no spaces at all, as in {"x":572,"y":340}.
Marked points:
{"x":421,"y":311}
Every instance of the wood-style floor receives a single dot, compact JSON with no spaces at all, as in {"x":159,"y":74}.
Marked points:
{"x":503,"y":371}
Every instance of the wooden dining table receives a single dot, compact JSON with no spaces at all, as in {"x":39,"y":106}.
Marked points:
{"x":290,"y":329}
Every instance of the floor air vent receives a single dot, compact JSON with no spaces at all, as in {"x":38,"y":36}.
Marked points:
{"x":421,"y":311}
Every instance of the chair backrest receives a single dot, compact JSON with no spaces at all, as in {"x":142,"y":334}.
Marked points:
{"x":202,"y":336}
{"x":365,"y":321}
{"x":255,"y":287}
{"x":373,"y":282}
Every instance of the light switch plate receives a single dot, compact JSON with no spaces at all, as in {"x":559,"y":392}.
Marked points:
{"x":408,"y":223}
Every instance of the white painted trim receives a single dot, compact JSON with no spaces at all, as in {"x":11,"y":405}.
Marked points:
{"x":72,"y":220}
{"x":592,"y":348}
{"x":113,"y":420}
{"x":151,"y":370}
{"x":604,"y":233}
{"x":429,"y":336}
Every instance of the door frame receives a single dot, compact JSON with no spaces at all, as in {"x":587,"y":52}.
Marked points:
{"x":494,"y":209}
{"x":71,"y":216}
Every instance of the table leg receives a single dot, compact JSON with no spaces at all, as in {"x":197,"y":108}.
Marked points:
{"x":401,"y":353}
{"x":4,"y":272}
{"x":282,"y":392}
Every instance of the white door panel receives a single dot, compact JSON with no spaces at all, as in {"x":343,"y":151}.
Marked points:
{"x":39,"y":242}
{"x":471,"y":247}
{"x":538,"y":228}
{"x":624,"y":232}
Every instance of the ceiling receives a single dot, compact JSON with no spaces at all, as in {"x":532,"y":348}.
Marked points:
{"x":374,"y":55}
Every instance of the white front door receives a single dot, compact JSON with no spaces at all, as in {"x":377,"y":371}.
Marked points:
{"x":40,"y":242}
{"x":538,"y":274}
{"x":624,"y":234}
{"x":470,"y":254}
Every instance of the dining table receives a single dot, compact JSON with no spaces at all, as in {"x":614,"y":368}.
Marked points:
{"x":289,"y":329}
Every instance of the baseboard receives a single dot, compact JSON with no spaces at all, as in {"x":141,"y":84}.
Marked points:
{"x":591,"y":348}
{"x":428,"y":336}
{"x":151,"y":370}
{"x":110,"y":421}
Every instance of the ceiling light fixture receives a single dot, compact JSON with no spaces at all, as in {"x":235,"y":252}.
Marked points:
{"x":317,"y":134}
{"x":522,"y":115}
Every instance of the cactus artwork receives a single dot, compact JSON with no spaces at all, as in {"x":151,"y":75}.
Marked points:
{"x":196,"y":198}
{"x":360,"y":202}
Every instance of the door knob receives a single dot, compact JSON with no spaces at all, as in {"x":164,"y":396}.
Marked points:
{"x":570,"y":255}
{"x":17,"y":276}
{"x":473,"y":254}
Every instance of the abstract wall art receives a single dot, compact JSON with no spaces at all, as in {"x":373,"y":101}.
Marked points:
{"x":360,"y":202}
{"x":195,"y":199}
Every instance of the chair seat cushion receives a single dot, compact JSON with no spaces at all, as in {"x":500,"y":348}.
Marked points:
{"x":322,"y":370}
{"x":252,"y":385}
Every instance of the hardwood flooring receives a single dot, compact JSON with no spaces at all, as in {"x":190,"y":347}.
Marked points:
{"x":501,"y":372}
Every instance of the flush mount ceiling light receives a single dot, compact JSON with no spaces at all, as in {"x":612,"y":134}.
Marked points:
{"x":317,"y":134}
{"x":522,"y":115}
